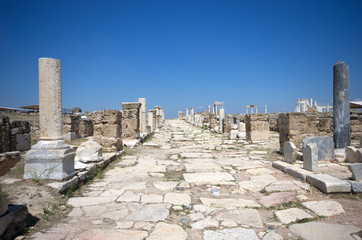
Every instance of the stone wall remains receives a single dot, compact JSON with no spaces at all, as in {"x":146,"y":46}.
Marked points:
{"x":131,"y":120}
{"x":257,"y":126}
{"x":14,"y":135}
{"x":107,"y":129}
{"x":74,"y":123}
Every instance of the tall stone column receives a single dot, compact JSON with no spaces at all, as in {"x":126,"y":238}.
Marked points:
{"x":154,"y":119}
{"x":51,"y":157}
{"x":221,"y":118}
{"x":150,"y":120}
{"x":341,"y":108}
{"x":143,"y":119}
{"x":208,"y":109}
{"x":192,"y":113}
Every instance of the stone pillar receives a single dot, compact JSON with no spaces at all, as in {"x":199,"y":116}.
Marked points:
{"x":208,"y":108}
{"x":341,"y":108}
{"x":213,"y":110}
{"x":266,"y":111}
{"x":150,"y":120}
{"x":153,"y":111}
{"x":143,"y":120}
{"x":130,"y":120}
{"x":51,"y":157}
{"x":192,"y":114}
{"x":221,"y":118}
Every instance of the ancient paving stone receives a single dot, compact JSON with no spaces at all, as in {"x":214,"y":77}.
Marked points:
{"x":291,"y":215}
{"x":324,"y":208}
{"x":195,"y":217}
{"x":328,"y":184}
{"x":257,"y":183}
{"x":165,"y":231}
{"x":129,"y":196}
{"x":94,"y":210}
{"x":124,"y":225}
{"x":228,"y":224}
{"x":228,"y":202}
{"x":205,"y":223}
{"x":196,"y":155}
{"x":116,"y":215}
{"x":231,"y":234}
{"x":221,"y":178}
{"x":112,"y":234}
{"x":76,"y":212}
{"x":165,"y":186}
{"x":86,"y":201}
{"x":275,"y":199}
{"x":177,"y":198}
{"x":282,"y":186}
{"x":202,"y":167}
{"x":245,"y":166}
{"x":272,"y":236}
{"x":150,"y":213}
{"x":259,"y":171}
{"x":324,"y":231}
{"x":249,"y":217}
{"x":151,"y":198}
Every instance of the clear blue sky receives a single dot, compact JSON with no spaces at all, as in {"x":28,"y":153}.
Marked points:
{"x":179,"y":54}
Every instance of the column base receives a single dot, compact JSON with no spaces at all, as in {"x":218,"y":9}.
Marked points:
{"x":49,"y":160}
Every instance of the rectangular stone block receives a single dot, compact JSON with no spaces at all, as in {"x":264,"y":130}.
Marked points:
{"x":290,"y":152}
{"x":310,"y":157}
{"x":356,"y":170}
{"x":297,"y":172}
{"x":111,"y":130}
{"x":282,"y":166}
{"x":23,"y":142}
{"x":70,"y":136}
{"x":329,"y":184}
{"x":107,"y":117}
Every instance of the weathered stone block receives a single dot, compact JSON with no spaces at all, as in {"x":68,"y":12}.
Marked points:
{"x":111,"y":130}
{"x":325,"y":146}
{"x":290,"y":152}
{"x":23,"y":142}
{"x":89,"y":151}
{"x":350,"y":153}
{"x":107,"y":117}
{"x":310,"y":157}
{"x":328,"y":184}
{"x":356,"y":170}
{"x":13,"y":222}
{"x":257,"y":127}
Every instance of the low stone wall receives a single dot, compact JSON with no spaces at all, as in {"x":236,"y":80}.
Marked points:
{"x":73,"y":123}
{"x":257,"y":126}
{"x":356,"y":125}
{"x":295,"y":127}
{"x":14,"y":135}
{"x":273,"y":122}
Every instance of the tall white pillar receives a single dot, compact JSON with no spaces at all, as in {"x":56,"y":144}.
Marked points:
{"x":222,"y":116}
{"x":143,"y":119}
{"x":51,"y":157}
{"x":150,"y":120}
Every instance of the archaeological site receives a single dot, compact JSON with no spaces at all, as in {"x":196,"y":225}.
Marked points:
{"x":132,"y":174}
{"x":181,"y":120}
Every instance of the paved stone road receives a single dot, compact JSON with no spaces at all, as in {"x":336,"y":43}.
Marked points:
{"x":197,"y":185}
